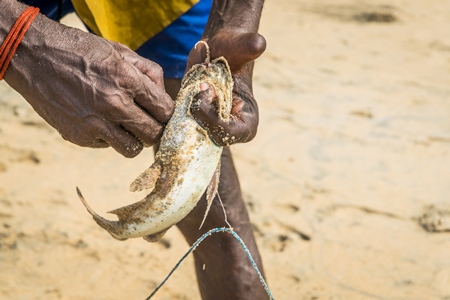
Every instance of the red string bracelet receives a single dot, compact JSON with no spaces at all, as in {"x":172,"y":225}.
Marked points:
{"x":15,"y":35}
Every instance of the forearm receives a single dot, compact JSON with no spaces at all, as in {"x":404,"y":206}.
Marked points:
{"x":243,"y":14}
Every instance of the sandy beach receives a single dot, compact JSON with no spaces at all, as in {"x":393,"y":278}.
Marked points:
{"x":347,"y":182}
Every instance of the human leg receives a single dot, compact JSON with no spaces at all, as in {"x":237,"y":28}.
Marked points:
{"x":222,"y":267}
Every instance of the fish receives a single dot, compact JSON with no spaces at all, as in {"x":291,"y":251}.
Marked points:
{"x":186,"y":164}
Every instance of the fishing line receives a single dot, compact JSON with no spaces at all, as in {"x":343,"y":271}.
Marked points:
{"x":224,"y":212}
{"x":215,"y":230}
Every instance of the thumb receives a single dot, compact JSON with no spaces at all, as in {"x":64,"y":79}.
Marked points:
{"x":237,"y":48}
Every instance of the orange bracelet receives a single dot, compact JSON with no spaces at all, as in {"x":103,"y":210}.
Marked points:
{"x":15,"y":35}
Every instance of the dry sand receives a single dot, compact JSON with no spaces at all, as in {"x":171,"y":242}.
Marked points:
{"x":353,"y":146}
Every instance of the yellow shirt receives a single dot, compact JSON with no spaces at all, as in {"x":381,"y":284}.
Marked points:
{"x":130,"y":22}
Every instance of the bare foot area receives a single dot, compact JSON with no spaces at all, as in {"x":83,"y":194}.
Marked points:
{"x":346,"y":182}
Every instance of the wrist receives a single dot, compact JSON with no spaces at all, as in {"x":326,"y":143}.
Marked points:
{"x":12,"y":41}
{"x":10,"y":10}
{"x":28,"y":50}
{"x":14,"y":32}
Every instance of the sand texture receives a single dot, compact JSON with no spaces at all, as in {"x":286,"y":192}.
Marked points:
{"x":347,"y":182}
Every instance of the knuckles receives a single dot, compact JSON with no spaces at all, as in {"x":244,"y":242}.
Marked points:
{"x":167,"y":111}
{"x":158,"y":72}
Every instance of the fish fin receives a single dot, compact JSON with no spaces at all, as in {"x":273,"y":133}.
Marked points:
{"x":152,"y":238}
{"x":211,"y":192}
{"x":147,"y":179}
{"x":126,"y":212}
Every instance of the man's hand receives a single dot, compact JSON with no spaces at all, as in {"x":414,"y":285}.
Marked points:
{"x":240,"y":49}
{"x":96,"y":93}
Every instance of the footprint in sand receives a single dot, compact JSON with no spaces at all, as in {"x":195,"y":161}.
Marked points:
{"x":434,"y":219}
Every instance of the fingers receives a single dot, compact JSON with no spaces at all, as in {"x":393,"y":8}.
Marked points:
{"x":98,"y":133}
{"x":141,"y":125}
{"x":151,"y":69}
{"x":237,"y":48}
{"x":143,"y":106}
{"x":134,"y":112}
{"x":122,"y":141}
{"x":122,"y":111}
{"x":147,"y":85}
{"x":242,"y":125}
{"x":98,"y":143}
{"x":115,"y":136}
{"x":154,"y":100}
{"x":147,"y":112}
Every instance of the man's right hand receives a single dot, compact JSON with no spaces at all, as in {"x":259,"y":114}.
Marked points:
{"x":96,"y":93}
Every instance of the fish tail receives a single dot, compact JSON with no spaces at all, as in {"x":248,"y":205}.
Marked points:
{"x":111,"y":226}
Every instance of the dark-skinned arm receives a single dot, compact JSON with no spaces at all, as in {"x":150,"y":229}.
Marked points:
{"x":96,"y":93}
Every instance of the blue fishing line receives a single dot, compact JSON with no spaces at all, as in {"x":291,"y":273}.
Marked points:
{"x":222,"y":229}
